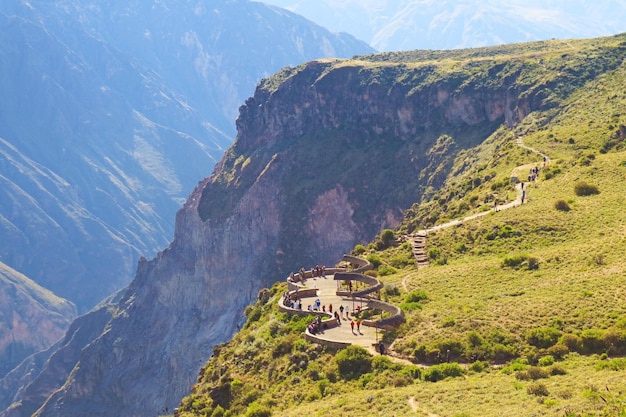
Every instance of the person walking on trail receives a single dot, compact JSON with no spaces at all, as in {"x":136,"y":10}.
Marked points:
{"x":358,"y":326}
{"x":341,"y":310}
{"x":352,"y":325}
{"x":523,"y":195}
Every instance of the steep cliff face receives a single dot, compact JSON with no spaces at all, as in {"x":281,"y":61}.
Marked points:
{"x":327,"y":155}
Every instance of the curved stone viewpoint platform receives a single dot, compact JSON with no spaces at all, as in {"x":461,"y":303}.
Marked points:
{"x":343,"y":292}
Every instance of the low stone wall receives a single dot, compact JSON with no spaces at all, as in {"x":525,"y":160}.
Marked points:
{"x":397,"y":315}
{"x":362,"y":264}
{"x":303,"y":293}
{"x":331,"y":344}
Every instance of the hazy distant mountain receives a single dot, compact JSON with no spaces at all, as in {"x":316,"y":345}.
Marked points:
{"x":390,"y":25}
{"x":110,"y":114}
{"x":31,"y":318}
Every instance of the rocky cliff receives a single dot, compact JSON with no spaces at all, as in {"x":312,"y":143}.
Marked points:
{"x":31,"y":318}
{"x":327,"y":154}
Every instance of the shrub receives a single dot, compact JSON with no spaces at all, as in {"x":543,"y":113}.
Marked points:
{"x":558,"y":370}
{"x":434,"y":253}
{"x":381,"y":363}
{"x":547,"y":360}
{"x":558,"y":351}
{"x":539,"y":389}
{"x":386,"y":270}
{"x":374,"y":260}
{"x":504,"y":352}
{"x":411,"y":371}
{"x":416,"y":296}
{"x":532,"y":373}
{"x":444,"y":370}
{"x":543,"y":337}
{"x":592,"y":341}
{"x":460,"y":247}
{"x":401,"y":260}
{"x":561,"y":205}
{"x":322,"y":385}
{"x":218,"y":411}
{"x":618,"y":364}
{"x":391,"y":290}
{"x":388,"y":237}
{"x":359,"y":249}
{"x":479,"y":366}
{"x":514,"y":261}
{"x":258,"y":410}
{"x":615,"y":342}
{"x":572,"y":342}
{"x":583,"y":189}
{"x":410,"y":306}
{"x":353,"y":361}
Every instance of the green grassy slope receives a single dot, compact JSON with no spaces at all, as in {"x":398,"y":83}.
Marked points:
{"x":530,"y":301}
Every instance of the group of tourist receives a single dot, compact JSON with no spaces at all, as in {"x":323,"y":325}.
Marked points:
{"x":315,"y":326}
{"x":290,"y":301}
{"x":317,"y":271}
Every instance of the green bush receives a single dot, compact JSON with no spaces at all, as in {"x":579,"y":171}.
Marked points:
{"x":359,"y":249}
{"x":444,"y":370}
{"x":583,"y":189}
{"x":503,"y":352}
{"x":353,"y":361}
{"x":561,"y":205}
{"x":543,"y":337}
{"x":381,"y":363}
{"x":547,"y":360}
{"x":410,"y":306}
{"x":386,"y":270}
{"x":391,"y":290}
{"x":218,"y":411}
{"x":258,"y":410}
{"x":479,"y":366}
{"x":434,"y":253}
{"x":416,"y":296}
{"x":618,"y":364}
{"x":388,"y":237}
{"x":411,"y":371}
{"x":532,"y":373}
{"x":572,"y":342}
{"x":401,"y":260}
{"x":558,"y":351}
{"x":374,"y":260}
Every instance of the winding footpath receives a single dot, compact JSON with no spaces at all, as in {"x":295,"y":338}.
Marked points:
{"x":418,"y":239}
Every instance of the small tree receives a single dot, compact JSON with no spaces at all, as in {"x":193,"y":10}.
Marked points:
{"x":353,"y":361}
{"x":388,"y":237}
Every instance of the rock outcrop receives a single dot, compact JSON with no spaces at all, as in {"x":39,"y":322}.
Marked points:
{"x":327,"y":155}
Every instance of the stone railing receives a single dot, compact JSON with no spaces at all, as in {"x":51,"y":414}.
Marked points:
{"x":397,"y":315}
